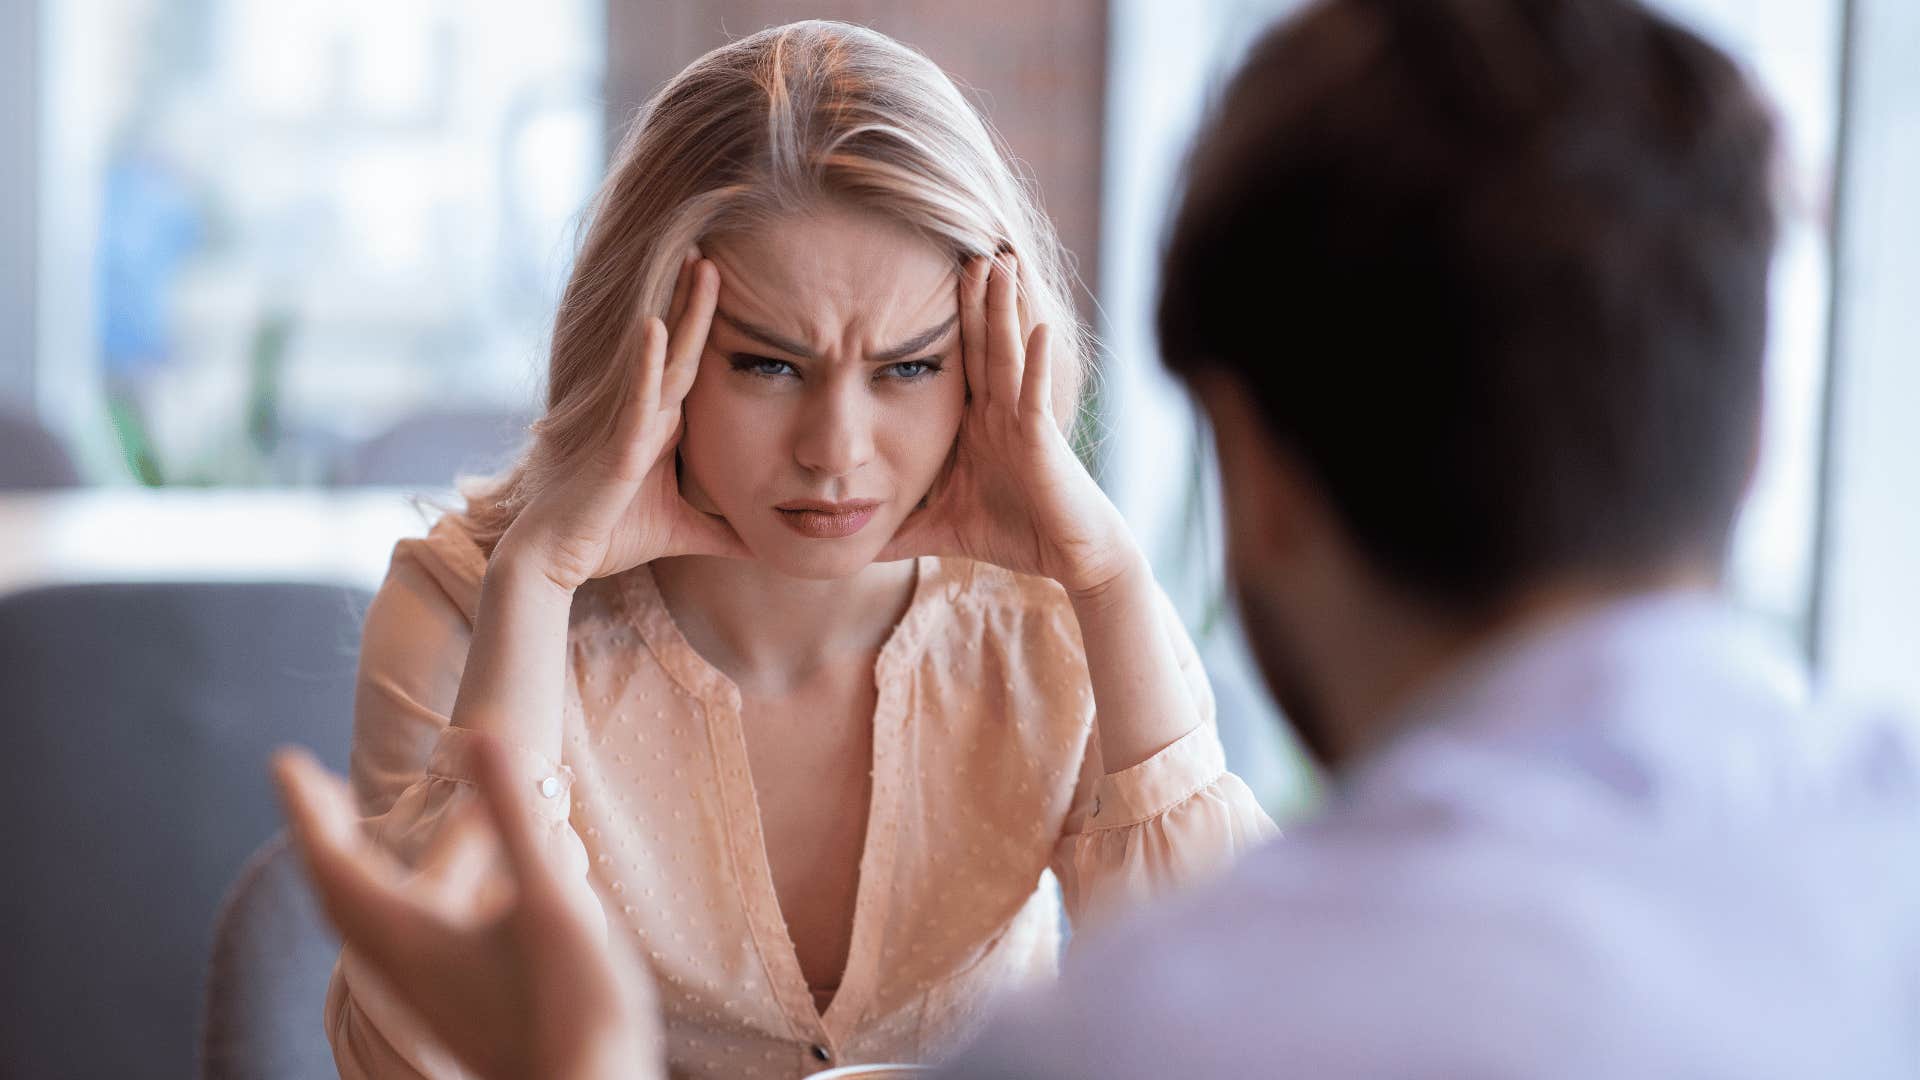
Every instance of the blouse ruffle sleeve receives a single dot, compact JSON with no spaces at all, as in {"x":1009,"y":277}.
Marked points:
{"x":413,"y":773}
{"x":1164,"y":825}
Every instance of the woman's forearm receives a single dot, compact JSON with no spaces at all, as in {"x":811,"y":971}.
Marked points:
{"x":514,"y":682}
{"x":1141,"y":700}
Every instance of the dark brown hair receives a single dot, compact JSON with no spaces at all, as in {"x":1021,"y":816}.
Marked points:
{"x":1495,"y":272}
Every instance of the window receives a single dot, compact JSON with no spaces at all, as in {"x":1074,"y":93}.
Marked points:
{"x":1793,"y":47}
{"x":270,"y":230}
{"x":1164,"y":66}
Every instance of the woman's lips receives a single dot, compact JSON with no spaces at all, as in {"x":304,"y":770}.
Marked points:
{"x":824,"y":520}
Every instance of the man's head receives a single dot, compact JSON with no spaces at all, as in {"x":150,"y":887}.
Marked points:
{"x":1475,"y":292}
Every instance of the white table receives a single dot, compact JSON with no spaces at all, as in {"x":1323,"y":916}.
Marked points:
{"x":323,"y":536}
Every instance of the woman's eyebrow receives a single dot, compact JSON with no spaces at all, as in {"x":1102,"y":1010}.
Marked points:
{"x":902,"y":351}
{"x":766,"y":337}
{"x":916,"y":343}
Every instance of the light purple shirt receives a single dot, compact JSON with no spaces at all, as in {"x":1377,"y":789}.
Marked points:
{"x":1615,"y":848}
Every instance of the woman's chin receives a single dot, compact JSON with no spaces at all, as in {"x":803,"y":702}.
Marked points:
{"x":815,"y":560}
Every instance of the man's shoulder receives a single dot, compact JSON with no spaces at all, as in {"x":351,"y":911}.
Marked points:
{"x":1295,"y":963}
{"x":1356,"y":949}
{"x":1641,"y":865}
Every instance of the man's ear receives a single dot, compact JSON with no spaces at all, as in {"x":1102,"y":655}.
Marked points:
{"x":1272,"y":510}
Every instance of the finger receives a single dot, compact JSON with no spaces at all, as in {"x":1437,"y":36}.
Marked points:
{"x":1036,"y":389}
{"x":358,"y":884}
{"x":561,"y":928}
{"x":680,"y":278}
{"x":690,"y":332}
{"x":973,"y":326}
{"x":319,"y":808}
{"x":708,"y":534}
{"x":458,"y":865}
{"x":643,"y":388}
{"x":1004,"y":360}
{"x":514,"y":817}
{"x":924,"y":531}
{"x":406,"y":944}
{"x":624,"y":452}
{"x":910,"y":540}
{"x":927,"y":531}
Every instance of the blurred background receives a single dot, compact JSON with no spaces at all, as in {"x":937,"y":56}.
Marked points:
{"x":297,"y":249}
{"x":268,"y":268}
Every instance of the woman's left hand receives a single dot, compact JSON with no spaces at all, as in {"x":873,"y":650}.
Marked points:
{"x":1014,"y":494}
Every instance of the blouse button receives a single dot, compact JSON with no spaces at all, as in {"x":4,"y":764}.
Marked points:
{"x":820,"y":1052}
{"x":1096,"y":807}
{"x":550,"y":787}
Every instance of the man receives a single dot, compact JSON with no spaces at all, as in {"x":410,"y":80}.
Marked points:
{"x":1474,"y":294}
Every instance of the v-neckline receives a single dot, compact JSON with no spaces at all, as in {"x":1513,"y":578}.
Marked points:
{"x":719,"y":697}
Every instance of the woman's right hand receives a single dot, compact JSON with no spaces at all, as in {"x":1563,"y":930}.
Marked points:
{"x":622,"y":506}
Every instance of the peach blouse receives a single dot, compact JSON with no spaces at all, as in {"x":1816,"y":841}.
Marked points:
{"x":985,"y":777}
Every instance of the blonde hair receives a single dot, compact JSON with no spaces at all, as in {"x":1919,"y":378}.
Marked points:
{"x":773,"y":124}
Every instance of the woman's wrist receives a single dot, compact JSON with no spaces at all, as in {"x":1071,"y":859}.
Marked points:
{"x":520,"y":567}
{"x":1140,"y":695}
{"x":1123,"y":586}
{"x":511,"y":686}
{"x":1126,"y":568}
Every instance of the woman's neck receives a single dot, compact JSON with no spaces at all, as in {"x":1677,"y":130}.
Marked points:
{"x":764,"y":629}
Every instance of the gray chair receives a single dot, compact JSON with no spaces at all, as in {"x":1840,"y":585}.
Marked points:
{"x":272,"y":955}
{"x":432,"y":449}
{"x":140,"y":719}
{"x":31,"y":456}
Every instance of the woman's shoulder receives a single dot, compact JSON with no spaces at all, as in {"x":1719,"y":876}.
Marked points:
{"x":997,"y":588}
{"x":1007,"y":646}
{"x":991,"y":600}
{"x":445,"y":564}
{"x":414,"y":640}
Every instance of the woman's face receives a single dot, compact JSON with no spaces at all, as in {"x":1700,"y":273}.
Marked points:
{"x":830,"y":391}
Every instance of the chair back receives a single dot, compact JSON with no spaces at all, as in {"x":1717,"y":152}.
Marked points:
{"x":272,"y":956}
{"x":433,"y":449}
{"x":31,"y":457}
{"x":141,"y":718}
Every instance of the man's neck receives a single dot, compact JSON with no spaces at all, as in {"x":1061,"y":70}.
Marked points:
{"x":1403,"y":657}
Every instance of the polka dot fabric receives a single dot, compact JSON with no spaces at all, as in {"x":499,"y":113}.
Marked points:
{"x":990,"y":814}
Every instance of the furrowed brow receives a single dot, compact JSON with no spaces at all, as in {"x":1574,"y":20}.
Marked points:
{"x":767,"y":337}
{"x":915,"y":344}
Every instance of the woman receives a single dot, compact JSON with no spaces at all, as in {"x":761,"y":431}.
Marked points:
{"x":799,"y":611}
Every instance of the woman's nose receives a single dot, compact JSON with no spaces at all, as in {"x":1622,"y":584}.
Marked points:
{"x":836,"y":433}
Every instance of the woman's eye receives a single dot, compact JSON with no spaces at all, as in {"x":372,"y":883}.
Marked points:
{"x":913,"y":369}
{"x":761,"y":365}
